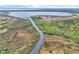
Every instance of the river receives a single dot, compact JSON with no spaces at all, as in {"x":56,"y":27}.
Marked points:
{"x":40,"y":42}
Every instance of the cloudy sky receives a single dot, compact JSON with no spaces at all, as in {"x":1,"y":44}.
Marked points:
{"x":39,"y":2}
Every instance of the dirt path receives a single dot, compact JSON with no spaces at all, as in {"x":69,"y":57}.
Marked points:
{"x":58,"y":45}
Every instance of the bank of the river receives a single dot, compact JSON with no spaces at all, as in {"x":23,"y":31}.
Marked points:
{"x":59,"y":45}
{"x":21,"y":37}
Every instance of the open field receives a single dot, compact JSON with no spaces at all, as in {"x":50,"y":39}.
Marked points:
{"x":16,"y":35}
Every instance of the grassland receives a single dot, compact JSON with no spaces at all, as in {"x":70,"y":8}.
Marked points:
{"x":67,"y":28}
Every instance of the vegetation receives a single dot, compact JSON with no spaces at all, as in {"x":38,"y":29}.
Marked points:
{"x":66,"y":28}
{"x":3,"y":28}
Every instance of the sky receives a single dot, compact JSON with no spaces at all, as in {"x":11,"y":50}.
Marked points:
{"x":39,"y":2}
{"x":36,"y":6}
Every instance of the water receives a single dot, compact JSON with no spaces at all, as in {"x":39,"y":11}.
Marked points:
{"x":24,"y":14}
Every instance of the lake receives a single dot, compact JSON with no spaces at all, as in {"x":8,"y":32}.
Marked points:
{"x":24,"y":14}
